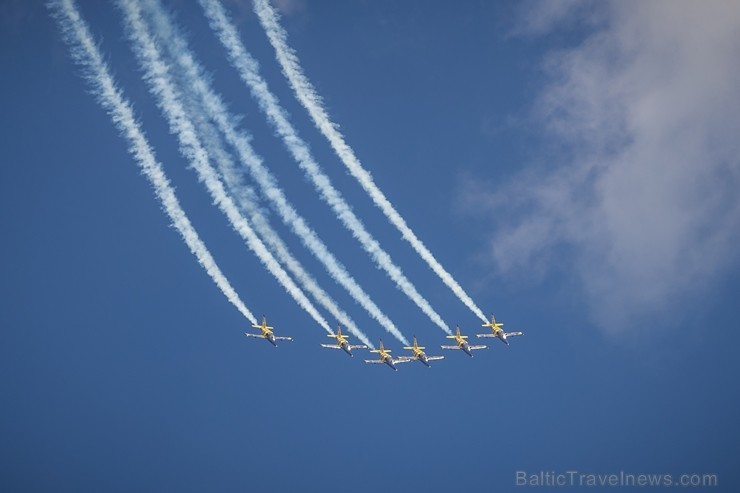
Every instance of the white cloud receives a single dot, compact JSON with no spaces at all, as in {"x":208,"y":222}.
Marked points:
{"x":648,"y":201}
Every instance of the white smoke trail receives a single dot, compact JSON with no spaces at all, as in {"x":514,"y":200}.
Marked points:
{"x":249,"y":71}
{"x":161,"y":86}
{"x":310,"y":100}
{"x":174,"y":43}
{"x":247,"y":200}
{"x":195,"y":80}
{"x":86,"y":54}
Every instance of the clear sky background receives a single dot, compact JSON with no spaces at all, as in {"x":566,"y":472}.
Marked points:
{"x":574,"y":165}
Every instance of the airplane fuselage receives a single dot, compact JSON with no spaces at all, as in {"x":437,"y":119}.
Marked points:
{"x":270,"y":337}
{"x":345,"y":347}
{"x":389,"y":361}
{"x":423,"y":358}
{"x":464,"y":346}
{"x":501,"y":335}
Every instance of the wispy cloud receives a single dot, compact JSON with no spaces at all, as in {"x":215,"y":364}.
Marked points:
{"x":644,"y":193}
{"x":537,"y":17}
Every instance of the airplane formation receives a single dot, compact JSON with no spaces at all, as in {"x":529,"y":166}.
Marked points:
{"x":199,"y":117}
{"x":384,"y":355}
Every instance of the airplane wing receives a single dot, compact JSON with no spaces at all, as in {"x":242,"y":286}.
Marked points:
{"x":404,"y":359}
{"x":358,"y":346}
{"x":477,"y":347}
{"x":254,"y":335}
{"x":484,"y":335}
{"x":434,"y":358}
{"x":514,"y":334}
{"x":376,"y":361}
{"x":333,"y":346}
{"x":283,"y":338}
{"x":450,"y":347}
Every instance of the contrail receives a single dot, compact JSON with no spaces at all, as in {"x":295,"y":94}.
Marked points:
{"x":311,"y":101}
{"x":195,"y":80}
{"x":86,"y":54}
{"x":249,"y":71}
{"x":160,"y":83}
{"x":246,"y":198}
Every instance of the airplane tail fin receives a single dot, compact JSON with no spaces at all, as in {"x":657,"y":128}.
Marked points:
{"x":414,"y":345}
{"x":380,"y":349}
{"x":493,"y":324}
{"x":457,"y":334}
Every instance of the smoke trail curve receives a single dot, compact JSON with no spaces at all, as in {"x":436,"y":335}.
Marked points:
{"x":166,"y":32}
{"x":216,"y":110}
{"x":161,"y":86}
{"x":311,"y":101}
{"x":247,"y":200}
{"x":249,"y":71}
{"x":87,"y":55}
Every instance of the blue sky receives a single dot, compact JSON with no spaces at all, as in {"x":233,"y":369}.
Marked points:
{"x":573,"y":165}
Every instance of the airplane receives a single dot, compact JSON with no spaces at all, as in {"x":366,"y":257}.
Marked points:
{"x":343,"y":343}
{"x":267,"y":333}
{"x":462,"y":343}
{"x":420,"y":355}
{"x":497,"y":331}
{"x":386,"y":358}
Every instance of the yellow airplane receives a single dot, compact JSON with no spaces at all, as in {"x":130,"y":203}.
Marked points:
{"x":497,"y":331}
{"x":343,"y":343}
{"x":420,"y":355}
{"x":462,"y":343}
{"x":267,"y":333}
{"x":385,"y":357}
